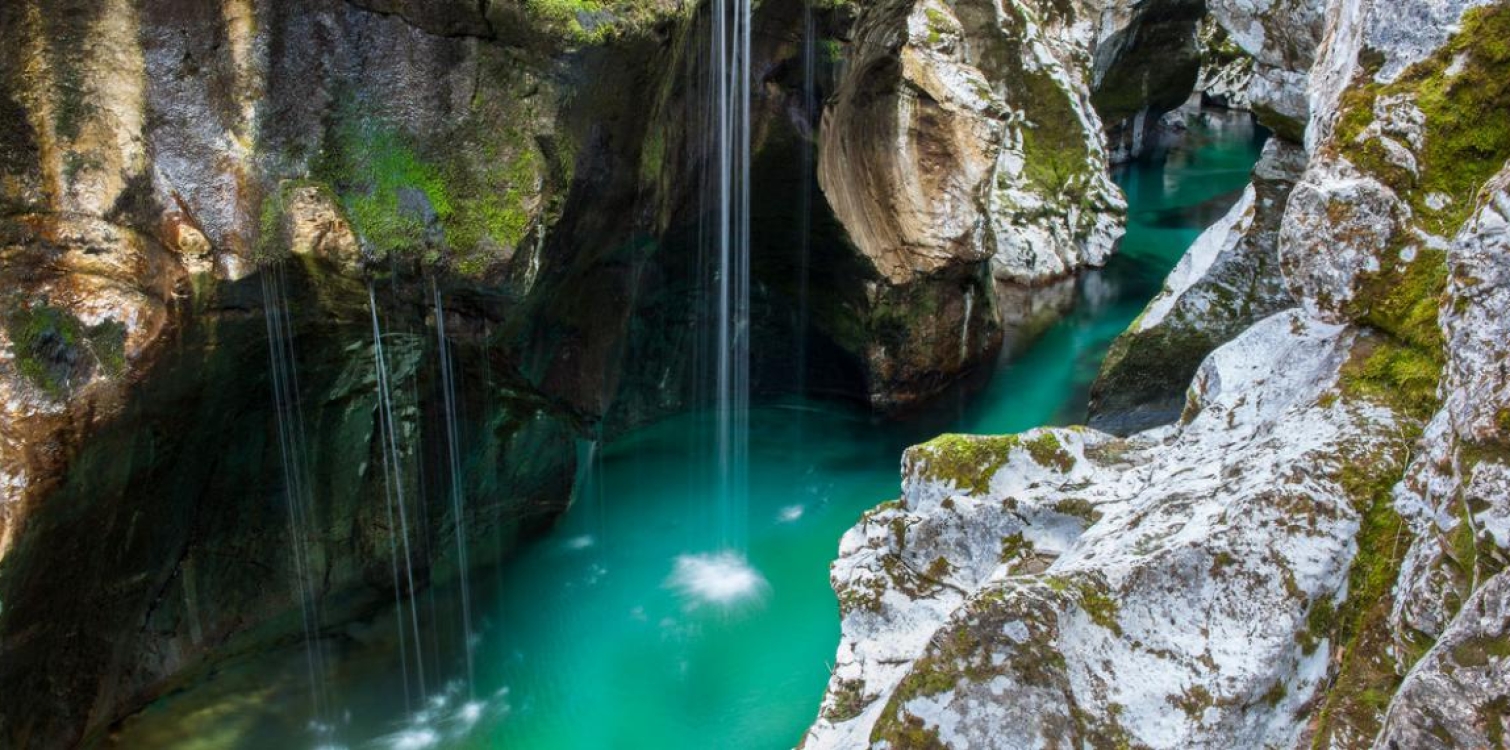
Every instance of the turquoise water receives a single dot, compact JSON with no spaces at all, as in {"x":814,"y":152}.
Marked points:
{"x":586,"y":640}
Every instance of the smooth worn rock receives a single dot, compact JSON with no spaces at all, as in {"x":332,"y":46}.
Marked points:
{"x":959,"y":136}
{"x":1152,"y":591}
{"x":1227,"y":281}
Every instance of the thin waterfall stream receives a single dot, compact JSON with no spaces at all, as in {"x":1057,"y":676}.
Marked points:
{"x":394,"y":481}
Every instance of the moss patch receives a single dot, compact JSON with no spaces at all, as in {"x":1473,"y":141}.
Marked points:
{"x":57,"y":353}
{"x":1366,"y":676}
{"x":1456,"y":88}
{"x":1396,"y":374}
{"x":968,"y":461}
{"x":389,"y":193}
{"x":1047,"y":451}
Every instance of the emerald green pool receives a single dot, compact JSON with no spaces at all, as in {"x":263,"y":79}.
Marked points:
{"x":584,"y":639}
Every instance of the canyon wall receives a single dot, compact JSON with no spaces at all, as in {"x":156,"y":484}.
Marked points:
{"x":1314,"y":552}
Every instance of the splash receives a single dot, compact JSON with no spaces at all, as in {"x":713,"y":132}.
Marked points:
{"x":721,"y":579}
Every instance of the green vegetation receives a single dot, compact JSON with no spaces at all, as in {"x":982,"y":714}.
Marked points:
{"x":1468,"y":78}
{"x":1360,"y":628}
{"x":56,"y":352}
{"x":1054,"y":151}
{"x":1464,"y":146}
{"x":597,"y":21}
{"x":1398,"y":375}
{"x":1047,"y":451}
{"x":969,"y":461}
{"x":384,"y":186}
{"x":468,"y":198}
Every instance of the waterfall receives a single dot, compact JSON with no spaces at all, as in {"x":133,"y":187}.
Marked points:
{"x":805,"y":206}
{"x":964,"y":334}
{"x":298,"y":496}
{"x":394,"y":483}
{"x":730,"y":91}
{"x":453,"y":445}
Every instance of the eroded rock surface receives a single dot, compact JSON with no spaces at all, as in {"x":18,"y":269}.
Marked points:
{"x":1228,"y":280}
{"x":1315,"y":555}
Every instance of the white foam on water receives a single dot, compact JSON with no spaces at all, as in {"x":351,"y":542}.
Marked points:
{"x":413,"y":738}
{"x":722,"y":579}
{"x":790,"y":513}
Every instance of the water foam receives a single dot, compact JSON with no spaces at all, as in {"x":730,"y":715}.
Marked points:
{"x":722,"y":579}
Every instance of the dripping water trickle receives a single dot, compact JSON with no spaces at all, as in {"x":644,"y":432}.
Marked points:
{"x":731,"y":94}
{"x":298,"y":496}
{"x":458,"y":509}
{"x":394,"y":483}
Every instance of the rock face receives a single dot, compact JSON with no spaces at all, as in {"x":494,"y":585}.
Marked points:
{"x":961,"y":142}
{"x":958,"y":136}
{"x":1147,"y":60}
{"x":1315,"y":554}
{"x":156,"y":161}
{"x":154,"y":592}
{"x":1227,"y":281}
{"x":1153,"y":591}
{"x":1282,"y":38}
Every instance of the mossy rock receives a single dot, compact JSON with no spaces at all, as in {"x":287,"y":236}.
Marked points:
{"x":57,"y":353}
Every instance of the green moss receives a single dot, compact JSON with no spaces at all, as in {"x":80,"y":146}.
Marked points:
{"x":373,"y":166}
{"x":1274,"y":695}
{"x":939,"y":569}
{"x":1396,"y":374}
{"x":1054,"y":150}
{"x":1078,"y":507}
{"x":56,"y":352}
{"x":1463,"y":147}
{"x":1194,"y":702}
{"x":903,"y":731}
{"x":968,"y":461}
{"x":1360,"y":629}
{"x":1320,"y":621}
{"x":849,"y":701}
{"x":1014,"y":547}
{"x":579,"y":22}
{"x":1102,"y":609}
{"x":1047,"y":451}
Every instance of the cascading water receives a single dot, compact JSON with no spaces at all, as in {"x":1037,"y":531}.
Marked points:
{"x":296,"y":486}
{"x":453,"y":455}
{"x":730,"y":70}
{"x":724,"y":577}
{"x":394,"y":483}
{"x":805,"y":197}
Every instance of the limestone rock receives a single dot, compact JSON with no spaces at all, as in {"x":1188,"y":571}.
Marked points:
{"x":959,"y":136}
{"x":1227,"y":281}
{"x":1152,"y":591}
{"x":1282,"y":37}
{"x":314,"y":226}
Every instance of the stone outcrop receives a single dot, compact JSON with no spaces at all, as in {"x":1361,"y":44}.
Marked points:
{"x":961,"y":143}
{"x":958,"y":136}
{"x":1161,"y":591}
{"x":1226,"y":282}
{"x":1315,"y":554}
{"x":1282,"y":38}
{"x":1147,"y":61}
